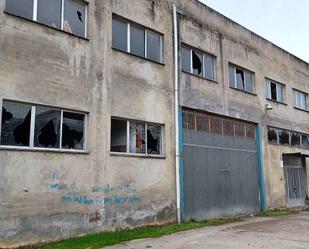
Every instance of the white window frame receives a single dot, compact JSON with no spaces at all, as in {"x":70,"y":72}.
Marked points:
{"x":245,"y":71}
{"x":303,"y":99}
{"x":146,"y":145}
{"x":35,"y":15}
{"x":268,"y":83}
{"x":32,"y":130}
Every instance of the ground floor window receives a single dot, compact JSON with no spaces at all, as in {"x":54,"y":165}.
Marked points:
{"x":34,"y":126}
{"x":136,"y":137}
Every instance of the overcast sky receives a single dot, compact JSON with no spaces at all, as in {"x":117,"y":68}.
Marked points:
{"x":283,"y":22}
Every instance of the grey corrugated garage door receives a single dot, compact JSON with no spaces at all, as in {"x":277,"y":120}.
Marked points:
{"x":220,"y":166}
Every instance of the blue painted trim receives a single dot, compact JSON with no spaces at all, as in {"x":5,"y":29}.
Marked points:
{"x":259,"y":141}
{"x":181,"y":173}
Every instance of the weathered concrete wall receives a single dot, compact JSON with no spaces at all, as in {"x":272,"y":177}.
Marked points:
{"x":40,"y":65}
{"x":211,"y":32}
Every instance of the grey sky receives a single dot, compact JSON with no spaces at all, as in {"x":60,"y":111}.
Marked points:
{"x":283,"y":22}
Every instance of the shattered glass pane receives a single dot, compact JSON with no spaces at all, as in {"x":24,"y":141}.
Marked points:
{"x":137,"y":43}
{"x":154,"y":139}
{"x":49,"y":13}
{"x":47,"y":127}
{"x":186,"y":59}
{"x":120,"y":35}
{"x":240,"y":79}
{"x":74,"y":17}
{"x":295,"y":140}
{"x":73,"y":131}
{"x":209,"y":67}
{"x":284,"y":137}
{"x":197,"y":63}
{"x":23,"y":8}
{"x":272,"y":135}
{"x":15,"y":129}
{"x":118,"y":135}
{"x":137,"y":138}
{"x":154,"y":49}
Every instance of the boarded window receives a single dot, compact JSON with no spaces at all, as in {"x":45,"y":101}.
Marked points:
{"x":47,"y":127}
{"x":120,"y":36}
{"x":49,"y":12}
{"x":118,"y":135}
{"x":73,"y":131}
{"x":272,"y":135}
{"x":23,"y":8}
{"x":16,"y":119}
{"x":137,"y":138}
{"x":154,"y":47}
{"x":137,"y":37}
{"x":153,"y":139}
{"x":74,"y":17}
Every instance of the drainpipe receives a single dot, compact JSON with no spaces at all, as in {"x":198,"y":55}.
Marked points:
{"x":177,"y":154}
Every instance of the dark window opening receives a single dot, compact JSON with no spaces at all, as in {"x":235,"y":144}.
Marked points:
{"x":295,"y":140}
{"x":272,"y":136}
{"x":284,"y":137}
{"x":23,"y":8}
{"x":273,"y":91}
{"x":240,"y":79}
{"x":118,"y":135}
{"x":73,"y":131}
{"x":197,"y":63}
{"x":305,"y":141}
{"x":154,"y":139}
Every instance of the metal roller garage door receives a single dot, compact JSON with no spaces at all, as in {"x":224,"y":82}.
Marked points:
{"x":220,"y":166}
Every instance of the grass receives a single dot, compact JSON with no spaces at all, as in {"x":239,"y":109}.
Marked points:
{"x":278,"y":213}
{"x":99,"y":240}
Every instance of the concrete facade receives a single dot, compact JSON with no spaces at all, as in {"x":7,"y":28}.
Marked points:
{"x":41,"y":65}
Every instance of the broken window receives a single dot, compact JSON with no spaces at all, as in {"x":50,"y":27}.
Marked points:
{"x":300,"y":99}
{"x":284,"y":137}
{"x":41,"y":127}
{"x":15,"y":129}
{"x":47,"y":127}
{"x":198,"y":63}
{"x":137,"y":42}
{"x":295,"y":140}
{"x":23,"y":8}
{"x":67,"y":15}
{"x":272,"y":135}
{"x":154,"y":47}
{"x":74,"y":17}
{"x":73,"y":131}
{"x":49,"y":12}
{"x":241,"y":79}
{"x":120,"y":35}
{"x":118,"y":135}
{"x":136,"y":137}
{"x":274,"y":91}
{"x":142,"y":42}
{"x":153,"y":139}
{"x":305,"y":141}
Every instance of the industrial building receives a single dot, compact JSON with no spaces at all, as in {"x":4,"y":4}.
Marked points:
{"x":118,"y":114}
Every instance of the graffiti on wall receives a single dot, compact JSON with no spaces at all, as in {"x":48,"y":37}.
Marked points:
{"x":96,"y":195}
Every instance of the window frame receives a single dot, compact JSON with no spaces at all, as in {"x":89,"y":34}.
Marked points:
{"x":128,"y":153}
{"x":245,"y":72}
{"x":204,"y":55}
{"x":295,"y":92}
{"x":130,"y":23}
{"x":31,"y":146}
{"x":35,"y":17}
{"x":268,"y":90}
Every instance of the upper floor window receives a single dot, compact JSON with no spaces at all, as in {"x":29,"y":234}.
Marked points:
{"x":33,"y":126}
{"x":274,"y":90}
{"x":137,"y":40}
{"x":136,"y":137}
{"x":198,"y":63}
{"x":241,"y":79}
{"x":67,"y":15}
{"x":300,"y":99}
